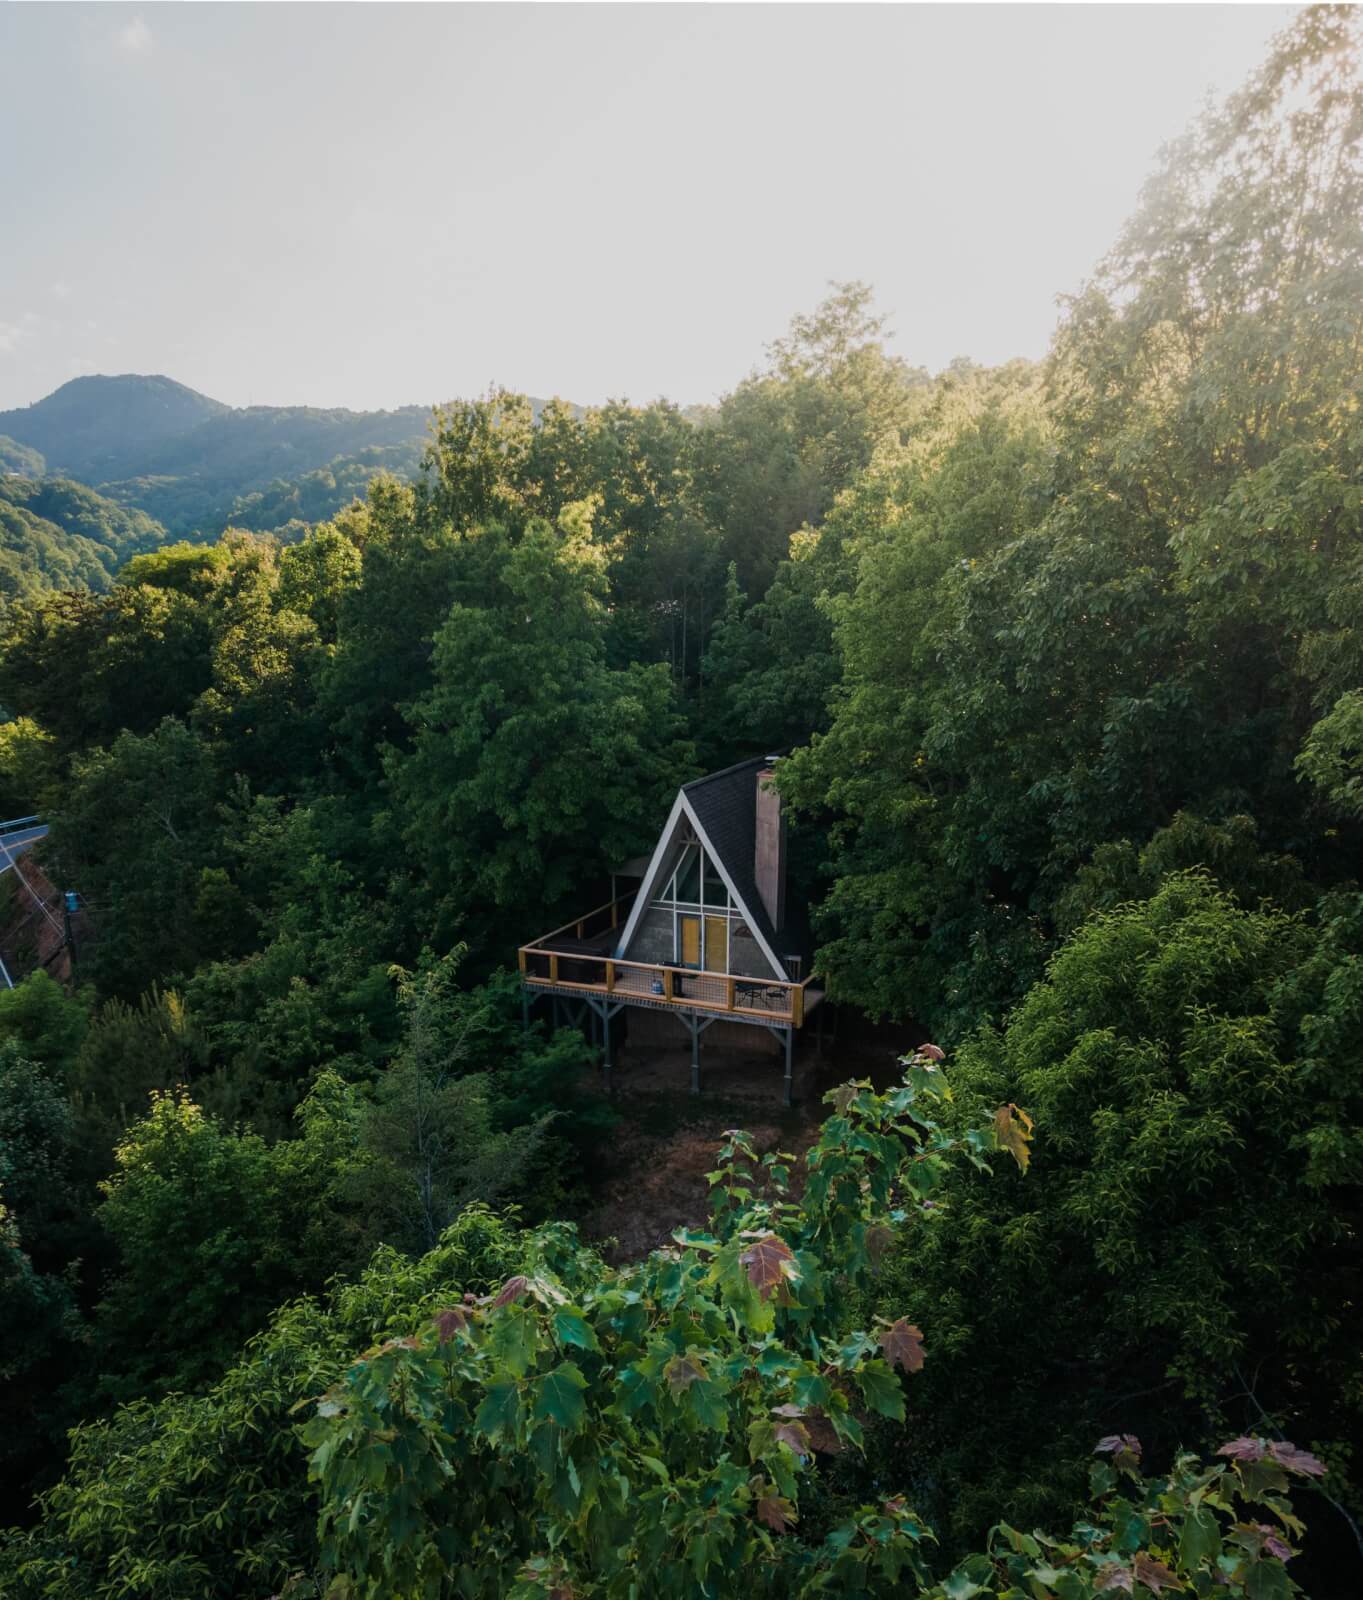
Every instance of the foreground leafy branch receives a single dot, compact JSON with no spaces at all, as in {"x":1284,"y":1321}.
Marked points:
{"x":655,"y":1433}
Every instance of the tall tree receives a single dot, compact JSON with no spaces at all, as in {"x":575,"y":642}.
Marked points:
{"x":789,"y":438}
{"x":134,"y":829}
{"x":533,"y":764}
{"x":915,"y":917}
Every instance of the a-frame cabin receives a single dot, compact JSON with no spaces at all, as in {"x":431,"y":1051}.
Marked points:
{"x":707,"y":935}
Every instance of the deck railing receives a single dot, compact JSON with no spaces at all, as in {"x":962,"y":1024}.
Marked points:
{"x":550,"y":962}
{"x":614,"y":914}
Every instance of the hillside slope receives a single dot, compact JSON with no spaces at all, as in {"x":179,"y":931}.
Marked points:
{"x":57,"y":534}
{"x":21,"y":459}
{"x":193,"y":481}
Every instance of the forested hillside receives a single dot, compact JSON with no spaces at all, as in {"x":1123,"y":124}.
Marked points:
{"x":20,"y":459}
{"x":198,"y":466}
{"x":1069,"y":659}
{"x":195,"y":482}
{"x":56,"y":534}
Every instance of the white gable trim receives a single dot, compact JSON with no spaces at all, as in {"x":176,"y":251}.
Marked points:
{"x":662,"y":854}
{"x":649,"y":887}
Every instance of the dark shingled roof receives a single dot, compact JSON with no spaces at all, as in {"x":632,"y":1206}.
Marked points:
{"x":725,"y":803}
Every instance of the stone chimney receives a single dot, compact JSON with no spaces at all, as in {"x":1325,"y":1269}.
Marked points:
{"x":769,"y":864}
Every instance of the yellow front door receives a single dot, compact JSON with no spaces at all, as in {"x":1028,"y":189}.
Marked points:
{"x":690,"y":941}
{"x":716,"y":944}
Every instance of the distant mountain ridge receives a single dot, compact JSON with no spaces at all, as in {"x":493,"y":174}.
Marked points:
{"x":150,"y":443}
{"x":87,"y":424}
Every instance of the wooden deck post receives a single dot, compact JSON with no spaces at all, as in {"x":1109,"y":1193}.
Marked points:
{"x":610,"y":977}
{"x":553,"y":968}
{"x":729,"y":995}
{"x":797,"y":1005}
{"x":520,"y":959}
{"x":667,"y":984}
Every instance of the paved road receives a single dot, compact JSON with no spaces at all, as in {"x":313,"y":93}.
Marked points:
{"x":14,"y":844}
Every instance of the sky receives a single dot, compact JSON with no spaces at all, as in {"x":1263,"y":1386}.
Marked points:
{"x":381,"y":205}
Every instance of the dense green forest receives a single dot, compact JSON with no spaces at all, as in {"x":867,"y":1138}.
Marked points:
{"x":1069,"y":658}
{"x":57,"y":534}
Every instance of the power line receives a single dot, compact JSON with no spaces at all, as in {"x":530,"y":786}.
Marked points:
{"x":37,"y":898}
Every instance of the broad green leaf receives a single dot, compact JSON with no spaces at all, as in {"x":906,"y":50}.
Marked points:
{"x":880,"y":1390}
{"x":707,"y":1402}
{"x":500,"y":1413}
{"x":558,"y":1397}
{"x":571,"y":1328}
{"x":513,"y":1338}
{"x":1200,"y":1540}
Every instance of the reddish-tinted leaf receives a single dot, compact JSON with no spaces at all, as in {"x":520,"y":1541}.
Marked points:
{"x":789,"y":1409}
{"x":1302,"y":1461}
{"x":1153,"y":1574}
{"x":777,"y":1513}
{"x":794,"y":1435}
{"x":1111,"y":1443}
{"x":933,"y":1052}
{"x":682,"y":1371}
{"x":843,"y":1096}
{"x":511,"y":1290}
{"x":1113,"y":1576}
{"x":1124,"y":1448}
{"x":769,"y":1263}
{"x":902,"y":1345}
{"x":1264,"y":1536}
{"x":1244,"y":1449}
{"x":448,"y":1323}
{"x":823,"y":1436}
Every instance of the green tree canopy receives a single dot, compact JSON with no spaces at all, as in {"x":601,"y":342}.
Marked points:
{"x":534,"y":765}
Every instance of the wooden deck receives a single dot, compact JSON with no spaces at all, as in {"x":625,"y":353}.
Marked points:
{"x":576,"y":960}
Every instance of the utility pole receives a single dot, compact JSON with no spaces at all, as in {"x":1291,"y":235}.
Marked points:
{"x":70,"y":905}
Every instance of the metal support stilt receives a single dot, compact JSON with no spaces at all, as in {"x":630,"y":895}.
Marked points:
{"x":790,"y":1041}
{"x":603,"y":1016}
{"x":693,"y":1022}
